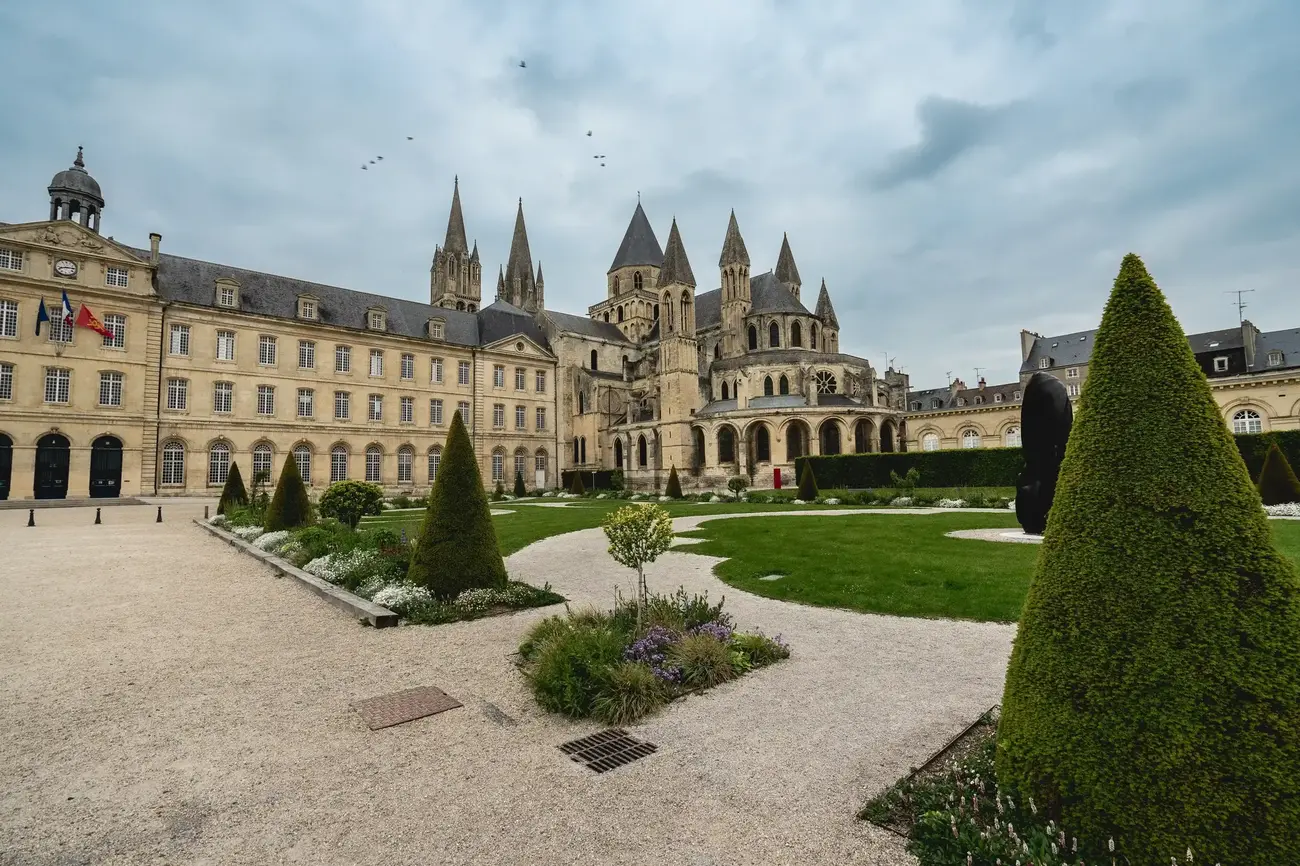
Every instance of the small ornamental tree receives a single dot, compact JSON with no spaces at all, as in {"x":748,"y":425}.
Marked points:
{"x":457,"y":548}
{"x":233,"y":495}
{"x":349,"y":501}
{"x":674,"y":486}
{"x":1277,"y":481}
{"x":520,"y":490}
{"x":807,"y":483}
{"x":637,"y":535}
{"x":737,"y":484}
{"x":290,"y":507}
{"x":576,"y":486}
{"x":906,"y":483}
{"x":1153,"y":692}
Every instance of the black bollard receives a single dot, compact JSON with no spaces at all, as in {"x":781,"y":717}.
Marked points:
{"x":31,"y":517}
{"x":159,"y":520}
{"x":205,"y":512}
{"x":97,"y":520}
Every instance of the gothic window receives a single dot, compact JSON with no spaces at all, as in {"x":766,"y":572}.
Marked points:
{"x":607,"y":315}
{"x":774,"y":336}
{"x":620,"y":314}
{"x":767,"y":387}
{"x":753,"y":338}
{"x":582,"y":403}
{"x":785,"y":385}
{"x":717,"y":351}
{"x":726,"y":445}
{"x":763,"y":445}
{"x":583,"y":450}
{"x":825,"y":380}
{"x":796,"y":335}
{"x":593,"y":359}
{"x":641,"y":452}
{"x":636,"y":281}
{"x":618,"y":453}
{"x":726,"y":394}
{"x":656,"y":312}
{"x":813,"y":337}
{"x":616,"y":285}
{"x":668,"y":312}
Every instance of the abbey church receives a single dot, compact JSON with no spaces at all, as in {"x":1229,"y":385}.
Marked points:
{"x":195,"y":366}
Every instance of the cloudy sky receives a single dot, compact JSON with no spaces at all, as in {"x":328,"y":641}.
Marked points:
{"x":955,"y":169}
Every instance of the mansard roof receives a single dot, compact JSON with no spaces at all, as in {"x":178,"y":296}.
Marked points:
{"x":640,"y":246}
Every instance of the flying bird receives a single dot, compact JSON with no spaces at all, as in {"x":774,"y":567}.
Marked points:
{"x":365,"y":168}
{"x":589,"y":133}
{"x":410,"y":138}
{"x":523,"y":65}
{"x":379,"y":157}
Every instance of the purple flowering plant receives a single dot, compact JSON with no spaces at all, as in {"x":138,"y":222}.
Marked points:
{"x":714,"y":629}
{"x":652,"y":650}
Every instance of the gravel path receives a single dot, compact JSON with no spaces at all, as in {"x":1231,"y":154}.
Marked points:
{"x":167,"y":700}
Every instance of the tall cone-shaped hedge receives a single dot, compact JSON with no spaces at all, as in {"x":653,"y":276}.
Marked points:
{"x":233,"y":494}
{"x":457,"y":548}
{"x":807,"y":483}
{"x":1153,"y":693}
{"x":1277,"y":481}
{"x":674,"y":486}
{"x":290,"y":506}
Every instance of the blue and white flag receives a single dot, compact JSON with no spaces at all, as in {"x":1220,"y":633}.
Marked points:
{"x":42,"y":315}
{"x":66,"y":312}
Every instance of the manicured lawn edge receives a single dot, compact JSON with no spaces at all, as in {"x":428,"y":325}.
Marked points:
{"x":379,"y":617}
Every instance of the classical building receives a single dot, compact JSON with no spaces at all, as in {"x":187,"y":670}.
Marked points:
{"x":206,"y":364}
{"x":1254,"y":375}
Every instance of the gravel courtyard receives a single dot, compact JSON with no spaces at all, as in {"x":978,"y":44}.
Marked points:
{"x":168,"y":700}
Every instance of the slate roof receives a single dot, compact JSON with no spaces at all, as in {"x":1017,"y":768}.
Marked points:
{"x":948,"y":400}
{"x":1228,"y":338}
{"x":767,"y":295}
{"x":1286,"y":342}
{"x":586,"y":327}
{"x":1069,"y":350}
{"x":778,"y":401}
{"x":500,"y":320}
{"x":717,"y":407}
{"x":640,"y":246}
{"x":788,"y":356}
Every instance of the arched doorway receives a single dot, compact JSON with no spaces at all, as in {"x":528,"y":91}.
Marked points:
{"x":830,"y":436}
{"x":106,"y":468}
{"x":887,"y":436}
{"x":6,"y":464}
{"x":52,"y":455}
{"x":697,"y":452}
{"x":862,"y":436}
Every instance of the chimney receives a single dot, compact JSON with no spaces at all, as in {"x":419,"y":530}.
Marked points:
{"x":981,"y":383}
{"x":154,"y":240}
{"x":1026,"y":344}
{"x":1248,"y":333}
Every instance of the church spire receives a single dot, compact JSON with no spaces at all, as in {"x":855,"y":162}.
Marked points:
{"x":640,"y":246}
{"x":786,"y":270}
{"x":733,"y":246}
{"x":519,"y":283}
{"x":676,"y":269}
{"x":825,"y":311}
{"x":455,"y":242}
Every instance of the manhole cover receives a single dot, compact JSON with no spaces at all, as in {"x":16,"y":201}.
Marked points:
{"x":607,"y":750}
{"x":388,"y":710}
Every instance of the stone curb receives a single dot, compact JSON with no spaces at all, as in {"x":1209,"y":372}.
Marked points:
{"x":379,"y":617}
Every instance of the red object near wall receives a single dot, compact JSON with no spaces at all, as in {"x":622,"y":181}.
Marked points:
{"x":776,"y":478}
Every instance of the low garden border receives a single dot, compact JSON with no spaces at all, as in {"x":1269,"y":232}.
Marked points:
{"x":379,"y":617}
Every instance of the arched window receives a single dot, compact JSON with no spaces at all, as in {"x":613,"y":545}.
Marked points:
{"x":970,"y":439}
{"x":405,"y":461}
{"x":583,"y":451}
{"x":607,"y":315}
{"x":796,"y":335}
{"x":620,"y":313}
{"x":218,"y":463}
{"x":636,"y":281}
{"x":577,"y":458}
{"x":582,"y":403}
{"x":767,"y":386}
{"x":726,"y":393}
{"x":616,"y":285}
{"x":521,"y":465}
{"x":498,"y":465}
{"x":1247,"y":421}
{"x":753,"y":339}
{"x":717,"y":351}
{"x":726,"y":445}
{"x":687,"y":319}
{"x":668,"y":311}
{"x":374,"y":464}
{"x":763,"y":445}
{"x":539,"y":467}
{"x":641,"y":455}
{"x":618,"y":453}
{"x":435,"y":460}
{"x":1012,"y":437}
{"x":656,"y":312}
{"x":796,"y":442}
{"x":593,"y":355}
{"x":785,"y":385}
{"x":302,"y":456}
{"x":812,"y":337}
{"x":338,"y":464}
{"x":173,"y":463}
{"x":774,"y":336}
{"x":930,"y":442}
{"x":262,"y":462}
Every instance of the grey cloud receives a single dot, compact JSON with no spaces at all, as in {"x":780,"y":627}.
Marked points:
{"x":949,"y":128}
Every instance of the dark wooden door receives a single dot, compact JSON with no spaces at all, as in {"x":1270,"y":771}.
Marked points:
{"x":52,"y":467}
{"x":106,"y":468}
{"x":6,"y":464}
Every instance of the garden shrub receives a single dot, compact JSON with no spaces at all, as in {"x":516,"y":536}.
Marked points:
{"x":233,"y":494}
{"x":674,"y":486}
{"x":760,"y":649}
{"x":737,"y":484}
{"x":349,"y":501}
{"x":576,"y":487}
{"x":807,"y":483}
{"x":705,"y":661}
{"x":1153,"y":692}
{"x":638,"y":535}
{"x":290,"y":506}
{"x":457,"y":548}
{"x":1277,"y":481}
{"x":627,"y":692}
{"x":570,"y":668}
{"x":520,"y":490}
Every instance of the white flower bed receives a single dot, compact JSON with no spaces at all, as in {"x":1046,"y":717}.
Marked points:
{"x":271,"y":541}
{"x":401,"y":598}
{"x":665,"y":499}
{"x":602,"y":495}
{"x":951,"y":503}
{"x":1011,"y":506}
{"x":247,"y":533}
{"x":219,"y":520}
{"x":1289,"y":509}
{"x":901,"y":501}
{"x":715,"y":498}
{"x":831,"y":501}
{"x":797,"y":502}
{"x":549,"y":493}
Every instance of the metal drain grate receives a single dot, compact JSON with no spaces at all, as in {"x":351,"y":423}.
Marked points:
{"x":398,"y":707}
{"x":607,"y":750}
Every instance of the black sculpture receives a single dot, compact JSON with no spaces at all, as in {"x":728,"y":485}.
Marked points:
{"x":1045,"y":419}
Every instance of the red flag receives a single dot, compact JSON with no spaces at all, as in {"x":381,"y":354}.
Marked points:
{"x":87,"y":319}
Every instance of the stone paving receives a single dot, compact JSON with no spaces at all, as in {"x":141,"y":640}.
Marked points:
{"x":168,"y":700}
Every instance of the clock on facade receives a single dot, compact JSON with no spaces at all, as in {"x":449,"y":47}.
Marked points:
{"x":65,"y":268}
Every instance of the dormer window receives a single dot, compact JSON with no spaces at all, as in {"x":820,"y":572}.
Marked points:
{"x":307,"y":309}
{"x":436,"y":329}
{"x":1221,"y":364}
{"x":979,"y":401}
{"x":227,"y":294}
{"x":1275,"y":358}
{"x":936,"y":404}
{"x":1042,"y":363}
{"x":1015,"y":396}
{"x":375,"y":320}
{"x":961,"y":401}
{"x":997,"y":398}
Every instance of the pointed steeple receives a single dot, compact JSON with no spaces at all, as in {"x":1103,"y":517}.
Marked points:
{"x":786,"y":270}
{"x":640,"y":246}
{"x":733,"y":246}
{"x":455,"y":242}
{"x":501,"y":282}
{"x":520,"y":264}
{"x":473,"y":257}
{"x":676,"y":269}
{"x":825,"y":311}
{"x":539,"y":272}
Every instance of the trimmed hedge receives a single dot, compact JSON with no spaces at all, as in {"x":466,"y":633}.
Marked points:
{"x":290,"y":506}
{"x":233,"y":494}
{"x":604,"y":479}
{"x":807,"y":483}
{"x":674,"y":487}
{"x":1277,"y":481}
{"x":1153,"y":691}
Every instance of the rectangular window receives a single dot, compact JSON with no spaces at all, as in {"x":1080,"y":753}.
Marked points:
{"x":405,"y":458}
{"x":6,"y":381}
{"x":997,"y":398}
{"x":110,"y":389}
{"x":435,"y":459}
{"x":1072,"y":373}
{"x":58,"y":385}
{"x":306,"y":355}
{"x":11,"y":260}
{"x":8,"y":318}
{"x":226,"y":296}
{"x":225,"y":345}
{"x":406,"y":407}
{"x":376,"y":321}
{"x":373,"y":465}
{"x":498,"y":415}
{"x":180,"y":340}
{"x":541,"y":381}
{"x":116,"y":277}
{"x":408,"y":366}
{"x":1074,"y":390}
{"x":61,"y":329}
{"x":338,"y":465}
{"x":178,"y":394}
{"x":308,"y":309}
{"x":265,"y":399}
{"x":376,"y":408}
{"x":541,"y":418}
{"x":306,"y":402}
{"x":435,"y":411}
{"x":342,"y":359}
{"x":376,"y":362}
{"x":463,"y":408}
{"x":435,"y":330}
{"x":1042,"y":363}
{"x":342,"y":405}
{"x":521,"y":378}
{"x":116,"y":325}
{"x":1275,"y":359}
{"x":435,"y":370}
{"x":521,"y":418}
{"x":498,"y":466}
{"x":498,"y":376}
{"x":521,"y":465}
{"x":1016,"y":395}
{"x":1220,"y":365}
{"x":266,"y":351}
{"x":223,"y":397}
{"x":462,"y":373}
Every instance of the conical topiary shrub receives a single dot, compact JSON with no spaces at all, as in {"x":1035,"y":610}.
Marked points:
{"x":457,"y":548}
{"x":520,"y":490}
{"x":577,"y":486}
{"x":807,"y":483}
{"x":290,"y":506}
{"x":233,"y":495}
{"x":1153,"y":692}
{"x":673,"y":488}
{"x":1277,"y":481}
